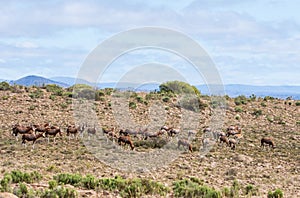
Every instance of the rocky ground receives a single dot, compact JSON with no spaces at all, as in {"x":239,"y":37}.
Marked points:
{"x":266,"y":169}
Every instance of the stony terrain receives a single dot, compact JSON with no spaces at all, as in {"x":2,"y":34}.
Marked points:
{"x":265,"y":169}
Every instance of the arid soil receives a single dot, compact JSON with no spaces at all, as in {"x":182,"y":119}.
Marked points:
{"x":265,"y":168}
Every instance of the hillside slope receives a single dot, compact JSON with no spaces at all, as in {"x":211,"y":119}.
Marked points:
{"x":266,"y":169}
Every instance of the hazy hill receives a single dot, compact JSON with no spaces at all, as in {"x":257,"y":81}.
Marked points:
{"x":37,"y":81}
{"x":232,"y":90}
{"x":70,"y":80}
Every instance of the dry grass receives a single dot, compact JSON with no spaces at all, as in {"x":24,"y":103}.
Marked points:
{"x":266,"y":169}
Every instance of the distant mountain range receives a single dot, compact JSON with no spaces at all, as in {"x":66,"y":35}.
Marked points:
{"x":231,"y":90}
{"x":37,"y":81}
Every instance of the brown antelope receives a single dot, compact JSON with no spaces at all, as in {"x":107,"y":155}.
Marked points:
{"x":232,"y":143}
{"x":125,"y":140}
{"x":224,"y":139}
{"x":21,"y":129}
{"x":184,"y":143}
{"x":40,"y":128}
{"x":267,"y":140}
{"x":31,"y":137}
{"x":233,"y":130}
{"x":52,"y":131}
{"x":74,"y":131}
{"x":91,"y":131}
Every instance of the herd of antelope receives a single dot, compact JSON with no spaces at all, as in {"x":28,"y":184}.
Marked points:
{"x":125,"y":137}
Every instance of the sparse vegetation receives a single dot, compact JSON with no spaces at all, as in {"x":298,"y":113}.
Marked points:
{"x":4,"y":86}
{"x":240,"y":100}
{"x":192,"y":188}
{"x":258,"y":118}
{"x":276,"y":194}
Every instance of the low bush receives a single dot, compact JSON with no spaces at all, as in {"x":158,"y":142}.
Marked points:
{"x":5,"y":183}
{"x":55,"y":89}
{"x":189,"y":188}
{"x":238,"y":109}
{"x":22,"y":191}
{"x":257,"y":112}
{"x":18,"y":176}
{"x":240,"y":100}
{"x":234,"y":189}
{"x":38,"y":93}
{"x":4,"y":86}
{"x":251,"y":190}
{"x":192,"y":103}
{"x":132,"y":105}
{"x":59,"y":191}
{"x":276,"y":194}
{"x":66,"y":178}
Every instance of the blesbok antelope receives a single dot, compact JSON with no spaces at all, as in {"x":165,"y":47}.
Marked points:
{"x":74,"y":131}
{"x":40,"y":128}
{"x":126,"y":140}
{"x":52,"y":131}
{"x":232,"y":143}
{"x":233,"y":130}
{"x":31,"y":137}
{"x":91,"y":131}
{"x":21,"y":129}
{"x":267,"y":140}
{"x":184,"y":143}
{"x":224,"y":139}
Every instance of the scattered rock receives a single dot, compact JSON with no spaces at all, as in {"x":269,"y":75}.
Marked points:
{"x":7,"y":195}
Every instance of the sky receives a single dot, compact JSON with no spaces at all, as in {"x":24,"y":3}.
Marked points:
{"x":250,"y":42}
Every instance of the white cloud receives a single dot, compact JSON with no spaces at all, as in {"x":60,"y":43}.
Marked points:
{"x":236,"y":36}
{"x":2,"y":60}
{"x":26,"y":44}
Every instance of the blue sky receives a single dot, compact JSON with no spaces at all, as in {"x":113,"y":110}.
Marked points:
{"x":251,"y":42}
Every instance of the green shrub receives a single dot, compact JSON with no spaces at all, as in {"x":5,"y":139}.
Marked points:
{"x":63,"y":105}
{"x":252,"y":97}
{"x":266,"y":98}
{"x":178,"y":87}
{"x":166,"y":99}
{"x":5,"y":183}
{"x":240,"y":100}
{"x":251,"y":190}
{"x":60,"y":192}
{"x":188,"y":188}
{"x":68,"y":94}
{"x":38,"y":93}
{"x":52,"y":184}
{"x":99,"y":95}
{"x":52,"y":97}
{"x":192,"y":103}
{"x":140,"y":187}
{"x":66,"y":178}
{"x":90,"y":182}
{"x":4,"y":86}
{"x":132,"y":105}
{"x":297,"y":103}
{"x":298,"y":122}
{"x":276,"y":194}
{"x":257,"y":112}
{"x":139,"y":99}
{"x":238,"y":109}
{"x":234,"y":189}
{"x":5,"y":97}
{"x":18,"y":176}
{"x":263,"y":104}
{"x":112,"y":184}
{"x":54,"y":89}
{"x":225,"y":192}
{"x":108,"y":91}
